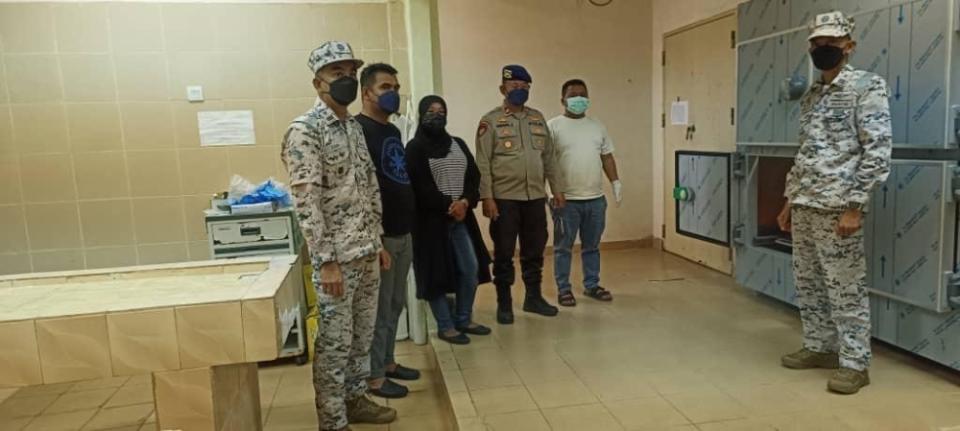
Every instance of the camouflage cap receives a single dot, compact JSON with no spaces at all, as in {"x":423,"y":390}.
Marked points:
{"x":831,"y":24}
{"x":331,"y":52}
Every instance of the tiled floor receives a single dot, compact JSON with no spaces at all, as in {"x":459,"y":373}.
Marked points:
{"x":117,"y":404}
{"x":680,"y":348}
{"x":286,"y":393}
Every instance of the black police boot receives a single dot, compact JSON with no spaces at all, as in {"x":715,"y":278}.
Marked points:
{"x":538,"y":305}
{"x":505,"y":315}
{"x":504,"y":305}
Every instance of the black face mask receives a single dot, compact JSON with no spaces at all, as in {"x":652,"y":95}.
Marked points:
{"x":344,"y":90}
{"x":826,"y":57}
{"x":434,"y":123}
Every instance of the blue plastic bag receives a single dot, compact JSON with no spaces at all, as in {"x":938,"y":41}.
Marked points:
{"x":267,"y":191}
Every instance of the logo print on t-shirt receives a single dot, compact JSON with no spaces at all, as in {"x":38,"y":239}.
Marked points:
{"x":393,"y":161}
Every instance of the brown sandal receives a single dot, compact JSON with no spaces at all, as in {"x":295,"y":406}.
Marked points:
{"x":599,"y":293}
{"x":566,"y":299}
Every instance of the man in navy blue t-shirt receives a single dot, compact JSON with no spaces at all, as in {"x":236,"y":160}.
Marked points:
{"x":381,"y":98}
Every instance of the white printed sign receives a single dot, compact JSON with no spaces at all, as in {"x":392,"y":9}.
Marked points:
{"x":219,"y":128}
{"x":680,"y":113}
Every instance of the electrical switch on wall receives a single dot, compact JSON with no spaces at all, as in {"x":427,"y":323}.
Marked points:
{"x":195,"y":93}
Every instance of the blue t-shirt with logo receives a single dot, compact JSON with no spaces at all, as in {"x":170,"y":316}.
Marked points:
{"x":386,"y":150}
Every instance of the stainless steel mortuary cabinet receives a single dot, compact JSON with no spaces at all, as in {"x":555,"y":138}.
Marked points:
{"x":911,"y":228}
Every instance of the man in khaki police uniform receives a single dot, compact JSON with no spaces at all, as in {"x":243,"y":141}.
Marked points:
{"x":845,"y":145}
{"x":515,"y":155}
{"x":337,"y":198}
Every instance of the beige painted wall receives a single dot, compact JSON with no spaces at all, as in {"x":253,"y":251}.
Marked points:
{"x":557,"y":40}
{"x":670,"y":15}
{"x":100,"y":164}
{"x":100,"y":161}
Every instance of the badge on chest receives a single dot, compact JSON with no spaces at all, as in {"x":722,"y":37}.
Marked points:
{"x":841,"y":100}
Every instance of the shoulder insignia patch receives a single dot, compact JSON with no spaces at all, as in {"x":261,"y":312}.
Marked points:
{"x":482,"y":129}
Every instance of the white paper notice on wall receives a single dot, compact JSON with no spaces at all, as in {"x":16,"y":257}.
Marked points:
{"x":219,"y":128}
{"x":680,"y":113}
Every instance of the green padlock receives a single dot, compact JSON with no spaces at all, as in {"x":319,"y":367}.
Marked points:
{"x":682,"y":194}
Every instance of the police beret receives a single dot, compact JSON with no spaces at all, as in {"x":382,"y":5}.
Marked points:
{"x":515,"y":72}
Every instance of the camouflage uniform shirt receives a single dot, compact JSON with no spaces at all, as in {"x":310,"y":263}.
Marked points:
{"x":340,"y":211}
{"x":845,"y":142}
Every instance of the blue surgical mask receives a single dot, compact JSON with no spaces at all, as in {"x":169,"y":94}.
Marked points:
{"x":518,"y":96}
{"x":389,"y":102}
{"x":577,"y":105}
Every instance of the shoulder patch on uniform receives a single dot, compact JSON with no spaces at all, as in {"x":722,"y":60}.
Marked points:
{"x":482,"y":128}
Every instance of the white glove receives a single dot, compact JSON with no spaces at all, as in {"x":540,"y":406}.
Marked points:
{"x":618,"y":192}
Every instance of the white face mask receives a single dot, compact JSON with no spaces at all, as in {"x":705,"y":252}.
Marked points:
{"x":577,"y":105}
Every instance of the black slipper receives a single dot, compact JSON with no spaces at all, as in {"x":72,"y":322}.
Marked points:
{"x":460,"y":338}
{"x":389,"y":389}
{"x":476,"y":329}
{"x":403,"y":373}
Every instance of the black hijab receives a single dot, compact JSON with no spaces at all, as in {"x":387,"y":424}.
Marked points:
{"x":436,"y":144}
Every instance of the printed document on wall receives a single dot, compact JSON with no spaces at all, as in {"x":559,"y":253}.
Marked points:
{"x":679,"y":113}
{"x":219,"y":128}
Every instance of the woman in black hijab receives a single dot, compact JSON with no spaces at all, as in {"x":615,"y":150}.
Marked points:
{"x":449,"y":255}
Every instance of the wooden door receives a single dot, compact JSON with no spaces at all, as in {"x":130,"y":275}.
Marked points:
{"x":699,"y":69}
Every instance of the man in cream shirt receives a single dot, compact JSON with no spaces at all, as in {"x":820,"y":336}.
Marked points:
{"x":585,"y":154}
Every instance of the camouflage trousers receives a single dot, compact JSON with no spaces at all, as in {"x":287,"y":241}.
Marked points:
{"x":341,"y":364}
{"x":831,"y":274}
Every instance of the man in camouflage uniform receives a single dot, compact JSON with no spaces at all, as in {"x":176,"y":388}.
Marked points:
{"x":845,"y":145}
{"x":516,"y":156}
{"x":337,"y":201}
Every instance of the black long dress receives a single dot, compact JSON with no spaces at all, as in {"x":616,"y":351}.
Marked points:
{"x":433,"y":261}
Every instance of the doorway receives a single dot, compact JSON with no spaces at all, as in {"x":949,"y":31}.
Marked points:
{"x":698,"y":100}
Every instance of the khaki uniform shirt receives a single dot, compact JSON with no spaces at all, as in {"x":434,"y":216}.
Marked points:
{"x":334,"y":183}
{"x":516,"y":154}
{"x":845,"y":142}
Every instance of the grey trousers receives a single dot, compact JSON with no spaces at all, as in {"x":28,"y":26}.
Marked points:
{"x":393,"y":297}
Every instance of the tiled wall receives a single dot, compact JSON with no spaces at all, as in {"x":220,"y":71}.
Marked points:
{"x":100,"y":159}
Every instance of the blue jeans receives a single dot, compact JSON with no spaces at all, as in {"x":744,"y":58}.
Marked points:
{"x":465,"y":260}
{"x":589,"y":218}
